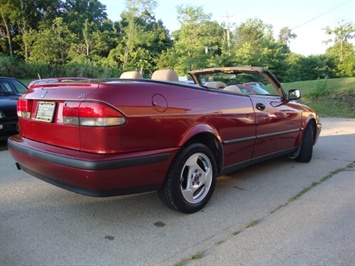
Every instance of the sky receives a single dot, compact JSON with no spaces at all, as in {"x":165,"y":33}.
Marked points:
{"x":306,"y":18}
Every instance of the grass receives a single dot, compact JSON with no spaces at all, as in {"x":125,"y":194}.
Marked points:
{"x":26,"y":81}
{"x":314,"y":184}
{"x":236,"y":232}
{"x":252,"y":223}
{"x":196,"y":256}
{"x":329,"y":97}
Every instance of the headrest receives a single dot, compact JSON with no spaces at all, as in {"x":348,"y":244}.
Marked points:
{"x":165,"y":74}
{"x":215,"y":84}
{"x":131,"y":75}
{"x":233,"y":88}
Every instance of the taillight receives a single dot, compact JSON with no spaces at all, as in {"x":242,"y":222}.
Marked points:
{"x":24,"y":108}
{"x":91,"y":114}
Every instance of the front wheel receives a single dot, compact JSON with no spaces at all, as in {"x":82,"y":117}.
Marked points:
{"x":191,"y":179}
{"x":306,"y":149}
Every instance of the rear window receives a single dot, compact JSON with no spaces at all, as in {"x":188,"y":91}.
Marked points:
{"x":12,"y":86}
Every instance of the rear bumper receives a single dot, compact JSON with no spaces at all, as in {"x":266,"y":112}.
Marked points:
{"x":92,"y":174}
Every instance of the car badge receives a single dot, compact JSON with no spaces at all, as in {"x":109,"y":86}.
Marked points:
{"x":44,"y":93}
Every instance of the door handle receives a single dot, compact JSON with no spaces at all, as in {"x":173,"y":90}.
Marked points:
{"x":260,"y":106}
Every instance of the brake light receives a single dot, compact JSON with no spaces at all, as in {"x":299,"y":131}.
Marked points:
{"x":91,"y":114}
{"x":24,"y":108}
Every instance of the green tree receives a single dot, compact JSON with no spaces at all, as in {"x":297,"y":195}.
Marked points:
{"x":344,"y":32}
{"x":95,"y":35}
{"x":141,"y":38}
{"x":285,"y":35}
{"x":197,"y":44}
{"x":49,"y":50}
{"x":77,"y":12}
{"x":294,"y":68}
{"x":254,"y":32}
{"x":191,"y":40}
{"x":309,"y":68}
{"x":342,"y":50}
{"x":24,"y":16}
{"x":347,"y":68}
{"x":5,"y":31}
{"x":255,"y":45}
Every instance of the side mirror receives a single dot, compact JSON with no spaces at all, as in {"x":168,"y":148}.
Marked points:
{"x":294,"y":94}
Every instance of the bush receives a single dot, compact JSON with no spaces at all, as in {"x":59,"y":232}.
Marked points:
{"x":88,"y":70}
{"x":12,"y":67}
{"x":17,"y":68}
{"x":321,"y":89}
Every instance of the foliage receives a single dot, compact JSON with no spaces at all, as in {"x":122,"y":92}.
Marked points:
{"x":285,"y":35}
{"x":49,"y":50}
{"x":342,"y":50}
{"x":321,"y":89}
{"x":196,"y":45}
{"x":342,"y":34}
{"x":75,"y":37}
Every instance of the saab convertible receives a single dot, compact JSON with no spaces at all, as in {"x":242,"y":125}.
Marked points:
{"x":132,"y":134}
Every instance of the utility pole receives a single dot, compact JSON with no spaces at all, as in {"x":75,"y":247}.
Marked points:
{"x":227,"y":26}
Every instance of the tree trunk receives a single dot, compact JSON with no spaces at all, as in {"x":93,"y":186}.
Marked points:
{"x":7,"y":33}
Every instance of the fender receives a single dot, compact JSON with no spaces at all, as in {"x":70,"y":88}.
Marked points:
{"x":199,"y":129}
{"x":305,"y":122}
{"x":205,"y":129}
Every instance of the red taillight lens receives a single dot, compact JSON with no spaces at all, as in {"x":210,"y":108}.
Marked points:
{"x":91,"y":114}
{"x":71,"y":113}
{"x":24,"y":108}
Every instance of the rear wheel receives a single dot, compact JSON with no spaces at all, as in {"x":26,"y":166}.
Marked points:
{"x":191,"y":179}
{"x":306,"y":149}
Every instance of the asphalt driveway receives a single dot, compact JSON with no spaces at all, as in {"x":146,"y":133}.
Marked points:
{"x":250,"y":220}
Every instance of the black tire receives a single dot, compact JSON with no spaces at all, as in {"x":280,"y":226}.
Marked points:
{"x":191,"y":179}
{"x":306,"y":149}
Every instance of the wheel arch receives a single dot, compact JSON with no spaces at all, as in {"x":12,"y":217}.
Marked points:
{"x":208,"y":136}
{"x":310,"y":121}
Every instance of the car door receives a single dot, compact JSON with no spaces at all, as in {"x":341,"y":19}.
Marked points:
{"x":277,"y":124}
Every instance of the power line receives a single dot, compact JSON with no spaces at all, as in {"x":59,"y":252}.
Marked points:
{"x":322,"y":14}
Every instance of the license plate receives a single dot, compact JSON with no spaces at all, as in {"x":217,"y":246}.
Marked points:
{"x":45,"y":111}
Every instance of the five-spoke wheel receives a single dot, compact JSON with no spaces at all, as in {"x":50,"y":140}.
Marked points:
{"x":191,"y":179}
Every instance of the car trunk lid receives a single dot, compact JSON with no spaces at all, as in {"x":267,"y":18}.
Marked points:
{"x":42,"y":112}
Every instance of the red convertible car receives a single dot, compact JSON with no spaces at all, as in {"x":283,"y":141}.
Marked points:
{"x":119,"y":136}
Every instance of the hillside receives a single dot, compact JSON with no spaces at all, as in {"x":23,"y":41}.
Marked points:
{"x":330,"y":97}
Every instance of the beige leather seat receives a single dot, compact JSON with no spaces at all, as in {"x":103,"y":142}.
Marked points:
{"x":131,"y":75}
{"x":233,"y":88}
{"x":215,"y":84}
{"x":165,"y":74}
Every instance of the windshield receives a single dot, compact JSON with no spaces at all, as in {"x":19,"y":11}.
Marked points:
{"x":251,"y":83}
